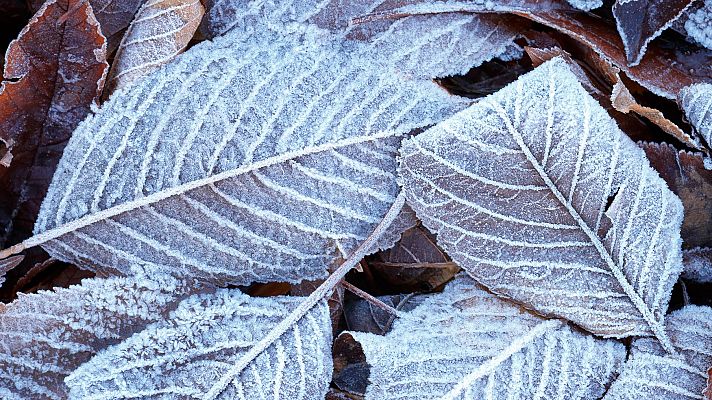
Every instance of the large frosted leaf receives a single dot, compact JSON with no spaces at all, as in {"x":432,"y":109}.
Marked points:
{"x":469,"y":344}
{"x":204,"y":338}
{"x":251,"y":158}
{"x":540,"y":197}
{"x":445,"y":44}
{"x":696,"y":102}
{"x":649,"y":373}
{"x":45,"y":336}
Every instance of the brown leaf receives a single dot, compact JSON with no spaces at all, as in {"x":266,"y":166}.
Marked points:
{"x":160,"y":31}
{"x":640,"y":21}
{"x":363,"y":316}
{"x":8,"y":264}
{"x":708,"y":390}
{"x":685,"y":174}
{"x":55,"y":70}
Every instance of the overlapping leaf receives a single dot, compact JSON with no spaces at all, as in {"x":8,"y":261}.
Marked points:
{"x":160,"y":31}
{"x":47,"y":335}
{"x":204,"y":338}
{"x":651,"y":373}
{"x":539,"y":196}
{"x":467,"y":343}
{"x":697,"y":264}
{"x":251,"y":158}
{"x":696,"y":102}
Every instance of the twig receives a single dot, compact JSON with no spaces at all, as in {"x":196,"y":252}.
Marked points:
{"x":369,"y":298}
{"x":322,"y":291}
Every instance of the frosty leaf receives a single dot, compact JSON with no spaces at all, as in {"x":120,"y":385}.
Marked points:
{"x":160,"y":31}
{"x":204,"y":337}
{"x":650,"y":373}
{"x":686,"y":175}
{"x":448,"y":44}
{"x":640,"y":21}
{"x":55,"y":70}
{"x":469,"y":344}
{"x":244,"y":160}
{"x":47,"y":335}
{"x":586,"y":5}
{"x":697,"y":264}
{"x":537,"y":194}
{"x":8,"y":264}
{"x":699,"y":24}
{"x":696,"y":102}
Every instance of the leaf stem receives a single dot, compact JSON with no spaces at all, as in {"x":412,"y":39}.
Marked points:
{"x":321,"y":292}
{"x":369,"y":298}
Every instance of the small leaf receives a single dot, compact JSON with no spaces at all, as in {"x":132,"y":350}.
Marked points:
{"x":696,"y":102}
{"x":47,"y":335}
{"x":698,"y":264}
{"x":8,"y":264}
{"x":698,"y":22}
{"x":160,"y":31}
{"x":468,"y":343}
{"x":641,"y":21}
{"x":650,"y":373}
{"x":686,"y":175}
{"x":202,"y":339}
{"x":538,"y":195}
{"x":58,"y":66}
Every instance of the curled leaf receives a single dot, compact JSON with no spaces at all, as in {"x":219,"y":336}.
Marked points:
{"x":696,"y":102}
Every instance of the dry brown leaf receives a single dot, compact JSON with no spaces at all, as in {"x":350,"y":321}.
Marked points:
{"x":55,"y":70}
{"x":160,"y":31}
{"x":708,"y":389}
{"x":8,"y":264}
{"x":686,"y":176}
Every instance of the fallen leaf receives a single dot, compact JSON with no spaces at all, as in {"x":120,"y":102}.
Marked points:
{"x":650,"y":373}
{"x":8,"y":264}
{"x":468,"y":343}
{"x":697,"y":23}
{"x":204,"y":338}
{"x":363,"y":316}
{"x":696,"y":102}
{"x":686,"y":175}
{"x":160,"y":31}
{"x":538,"y":195}
{"x":641,"y":21}
{"x":55,"y":71}
{"x":697,"y":264}
{"x":241,"y":161}
{"x":48,"y":334}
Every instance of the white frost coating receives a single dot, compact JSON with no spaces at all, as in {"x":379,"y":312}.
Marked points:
{"x":449,"y":43}
{"x":251,"y":158}
{"x":696,"y":101}
{"x":466,"y":343}
{"x":586,"y":5}
{"x":517,"y":188}
{"x":182,"y":356}
{"x":699,"y":24}
{"x":46,"y":335}
{"x":651,"y":374}
{"x":698,"y":264}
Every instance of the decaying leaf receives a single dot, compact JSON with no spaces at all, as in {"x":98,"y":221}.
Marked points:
{"x":160,"y":31}
{"x":363,"y":316}
{"x":641,"y":21}
{"x":697,"y":264}
{"x":650,"y":373}
{"x":244,"y":160}
{"x":47,"y":335}
{"x":469,"y":344}
{"x":8,"y":264}
{"x":206,"y":336}
{"x":468,"y":40}
{"x":696,"y":102}
{"x":55,"y":70}
{"x":686,"y":175}
{"x":537,"y":194}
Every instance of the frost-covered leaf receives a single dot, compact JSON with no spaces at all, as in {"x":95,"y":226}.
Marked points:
{"x":640,"y":21}
{"x":586,"y":5}
{"x":697,"y":265}
{"x":8,"y":264}
{"x":160,"y":31}
{"x":467,"y":343}
{"x":46,"y":335}
{"x":250,"y":158}
{"x":182,"y":356}
{"x":448,"y":44}
{"x":686,"y":175}
{"x":698,"y":24}
{"x":55,"y":70}
{"x":649,"y":373}
{"x":537,"y":194}
{"x":696,"y":102}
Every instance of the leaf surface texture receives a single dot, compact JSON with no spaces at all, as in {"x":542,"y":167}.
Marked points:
{"x":537,"y":194}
